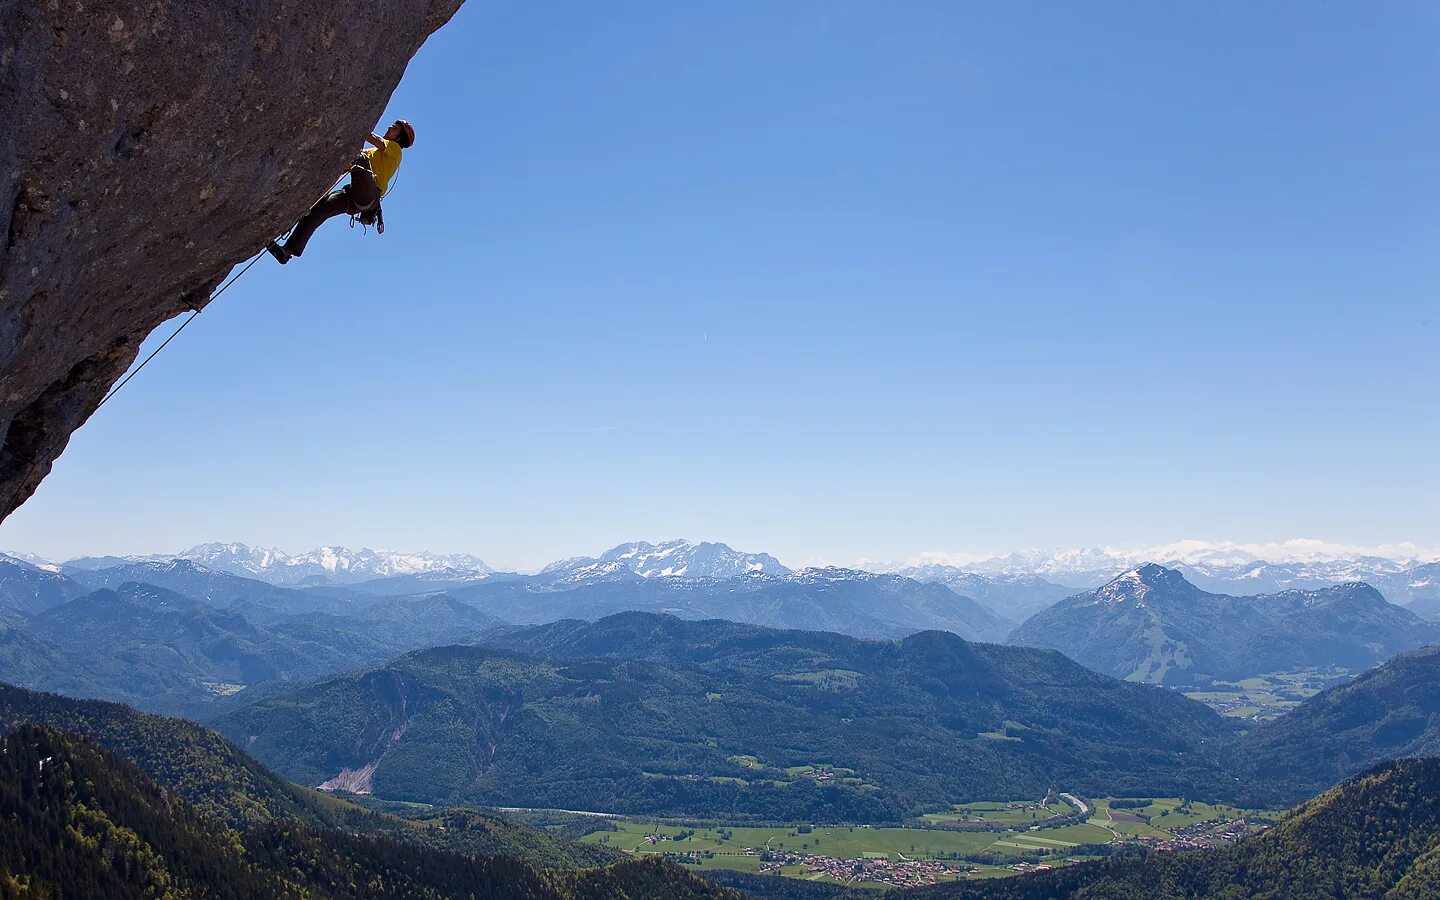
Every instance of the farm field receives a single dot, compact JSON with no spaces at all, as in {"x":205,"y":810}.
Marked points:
{"x":1265,"y":697}
{"x":865,"y":855}
{"x":1000,"y":813}
{"x":1160,"y":818}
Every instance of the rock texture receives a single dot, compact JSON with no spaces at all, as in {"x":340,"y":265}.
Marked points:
{"x":147,"y":148}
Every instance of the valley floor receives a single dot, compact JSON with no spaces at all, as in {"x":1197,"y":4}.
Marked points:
{"x":972,"y":840}
{"x":1266,"y":697}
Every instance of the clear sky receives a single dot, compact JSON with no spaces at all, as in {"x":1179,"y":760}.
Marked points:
{"x":832,"y":280}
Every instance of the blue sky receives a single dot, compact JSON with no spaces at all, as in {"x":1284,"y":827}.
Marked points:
{"x":833,"y":280}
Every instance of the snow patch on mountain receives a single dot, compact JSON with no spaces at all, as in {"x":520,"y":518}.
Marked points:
{"x":668,"y":559}
{"x":1230,"y":565}
{"x":323,"y":565}
{"x":31,"y":560}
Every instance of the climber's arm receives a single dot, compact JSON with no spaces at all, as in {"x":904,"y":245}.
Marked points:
{"x":376,"y":140}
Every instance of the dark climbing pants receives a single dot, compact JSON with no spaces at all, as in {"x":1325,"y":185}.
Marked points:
{"x":361,"y":194}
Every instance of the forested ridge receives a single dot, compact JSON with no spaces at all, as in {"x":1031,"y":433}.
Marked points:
{"x":1389,"y":712}
{"x":227,"y":785}
{"x":646,"y":713}
{"x":78,"y":820}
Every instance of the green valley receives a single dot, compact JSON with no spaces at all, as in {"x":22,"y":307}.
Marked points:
{"x":974,"y":840}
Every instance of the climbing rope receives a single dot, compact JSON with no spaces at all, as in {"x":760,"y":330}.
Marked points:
{"x":188,"y":319}
{"x":41,"y":458}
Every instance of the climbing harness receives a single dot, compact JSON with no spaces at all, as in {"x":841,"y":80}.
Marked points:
{"x":375,"y":215}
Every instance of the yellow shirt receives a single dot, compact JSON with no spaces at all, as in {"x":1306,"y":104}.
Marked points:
{"x":383,"y":162}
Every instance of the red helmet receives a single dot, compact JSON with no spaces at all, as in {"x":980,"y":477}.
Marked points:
{"x":407,"y":132}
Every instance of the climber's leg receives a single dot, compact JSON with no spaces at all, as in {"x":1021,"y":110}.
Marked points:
{"x":364,"y":192}
{"x":336,"y":203}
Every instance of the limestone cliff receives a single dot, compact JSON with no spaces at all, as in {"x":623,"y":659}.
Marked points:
{"x":146,"y":147}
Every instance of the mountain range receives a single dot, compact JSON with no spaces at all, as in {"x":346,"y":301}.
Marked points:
{"x":222,"y":634}
{"x":1013,"y":586}
{"x":845,"y":600}
{"x":1151,"y":624}
{"x":1297,"y":558}
{"x":323,"y":565}
{"x":156,"y":646}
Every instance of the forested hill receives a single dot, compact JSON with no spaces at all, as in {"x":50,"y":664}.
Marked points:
{"x":647,"y":713}
{"x":77,"y":820}
{"x":1375,"y":836}
{"x":225,"y":784}
{"x":1386,"y":713}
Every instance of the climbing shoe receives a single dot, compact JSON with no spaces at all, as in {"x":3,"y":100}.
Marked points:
{"x":282,"y":256}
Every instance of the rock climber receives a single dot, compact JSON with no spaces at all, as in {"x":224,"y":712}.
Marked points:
{"x":370,"y":176}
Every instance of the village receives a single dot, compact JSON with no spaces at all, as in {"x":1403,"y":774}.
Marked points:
{"x":1205,"y":835}
{"x":878,"y":870}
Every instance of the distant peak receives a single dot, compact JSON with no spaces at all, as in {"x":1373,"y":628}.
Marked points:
{"x":677,"y":558}
{"x":1138,"y":583}
{"x":1153,"y":572}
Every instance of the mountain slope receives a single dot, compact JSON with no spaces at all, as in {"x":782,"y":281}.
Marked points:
{"x":653,"y":714}
{"x":187,"y":649}
{"x":77,"y":820}
{"x":1376,"y":836}
{"x":1150,"y":624}
{"x":28,"y":589}
{"x":227,"y":785}
{"x":1387,"y":713}
{"x":1015,"y":596}
{"x":147,"y":645}
{"x":221,"y":590}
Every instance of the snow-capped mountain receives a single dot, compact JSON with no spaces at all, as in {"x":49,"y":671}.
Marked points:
{"x":324,"y":565}
{"x":1399,"y":570}
{"x":669,"y":559}
{"x":33,"y":561}
{"x":335,"y":565}
{"x":1014,"y":585}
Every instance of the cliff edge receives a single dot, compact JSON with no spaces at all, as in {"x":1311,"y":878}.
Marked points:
{"x":147,"y":148}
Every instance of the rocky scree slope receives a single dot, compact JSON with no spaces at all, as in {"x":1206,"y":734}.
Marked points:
{"x":148,"y":148}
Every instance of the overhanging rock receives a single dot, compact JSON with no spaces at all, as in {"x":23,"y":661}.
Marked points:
{"x":147,"y":147}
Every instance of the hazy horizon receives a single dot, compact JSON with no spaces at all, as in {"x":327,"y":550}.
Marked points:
{"x":1297,"y":550}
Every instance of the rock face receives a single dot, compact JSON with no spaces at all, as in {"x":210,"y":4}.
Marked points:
{"x":148,"y":148}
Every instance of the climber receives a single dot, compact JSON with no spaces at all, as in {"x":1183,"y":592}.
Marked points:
{"x":369,"y":181}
